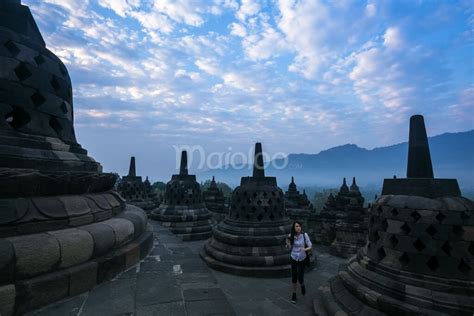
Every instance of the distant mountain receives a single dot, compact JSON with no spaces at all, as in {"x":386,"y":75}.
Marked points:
{"x":452,"y":156}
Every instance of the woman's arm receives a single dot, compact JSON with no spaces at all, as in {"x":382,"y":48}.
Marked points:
{"x":308,"y":243}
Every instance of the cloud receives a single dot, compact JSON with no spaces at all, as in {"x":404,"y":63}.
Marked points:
{"x":120,"y":7}
{"x":154,"y":21}
{"x":247,"y":9}
{"x":284,"y":72}
{"x":264,"y":44}
{"x":393,"y":38}
{"x":208,"y":65}
{"x":238,"y":29}
{"x":370,"y":10}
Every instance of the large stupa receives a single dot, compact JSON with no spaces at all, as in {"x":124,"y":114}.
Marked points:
{"x":251,"y":239}
{"x":419,"y":258}
{"x":63,"y":228}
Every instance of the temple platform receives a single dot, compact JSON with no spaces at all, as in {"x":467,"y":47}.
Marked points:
{"x":173,"y":280}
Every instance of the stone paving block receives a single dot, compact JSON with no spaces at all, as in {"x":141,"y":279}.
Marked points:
{"x":67,"y":307}
{"x":111,"y":298}
{"x":196,"y":277}
{"x":153,"y":265}
{"x":76,"y":246}
{"x":131,"y":273}
{"x":168,"y":309}
{"x":209,"y":307}
{"x":193,"y":265}
{"x":156,"y":288}
{"x":160,"y":250}
{"x":203,"y":294}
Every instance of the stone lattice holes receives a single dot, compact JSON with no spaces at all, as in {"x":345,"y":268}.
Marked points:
{"x":137,"y":192}
{"x":419,"y":256}
{"x":215,"y":201}
{"x":251,"y":239}
{"x":183,"y":209}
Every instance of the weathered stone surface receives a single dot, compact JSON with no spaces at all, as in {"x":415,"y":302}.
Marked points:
{"x":103,"y":236}
{"x":75,"y":205}
{"x":42,"y":290}
{"x":7,"y":262}
{"x":49,"y":184}
{"x":82,"y":278}
{"x":35,"y":254}
{"x":7,"y":299}
{"x":76,"y":246}
{"x":123,"y":230}
{"x":137,"y":218}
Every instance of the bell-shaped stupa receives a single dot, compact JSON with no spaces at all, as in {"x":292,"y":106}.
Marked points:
{"x":419,"y":258}
{"x":63,"y":228}
{"x":137,"y":192}
{"x":215,"y":201}
{"x":183,"y":209}
{"x":351,"y":227}
{"x":251,"y":239}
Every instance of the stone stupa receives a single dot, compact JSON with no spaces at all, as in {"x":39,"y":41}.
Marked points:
{"x":62,"y":227}
{"x":251,"y":239}
{"x":297,"y":205}
{"x":351,"y":228}
{"x":333,"y":210}
{"x":135,"y":191}
{"x":183,"y":209}
{"x":419,"y":259}
{"x":215,"y":201}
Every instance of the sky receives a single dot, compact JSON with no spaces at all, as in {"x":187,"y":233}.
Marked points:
{"x":300,"y":76}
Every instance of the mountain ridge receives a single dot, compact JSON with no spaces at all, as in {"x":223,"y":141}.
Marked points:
{"x":452,"y":156}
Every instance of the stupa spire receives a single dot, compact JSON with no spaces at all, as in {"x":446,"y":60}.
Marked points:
{"x":419,"y":158}
{"x":183,"y":169}
{"x":258,"y":168}
{"x":131,"y":170}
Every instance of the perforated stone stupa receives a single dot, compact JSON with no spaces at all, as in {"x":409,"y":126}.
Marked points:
{"x":299,"y":208}
{"x":137,"y":192}
{"x":251,"y":239}
{"x":215,"y":201}
{"x":419,"y":259}
{"x":296,"y":203}
{"x":333,"y":209}
{"x":62,"y":227}
{"x":183,"y":209}
{"x":351,"y":227}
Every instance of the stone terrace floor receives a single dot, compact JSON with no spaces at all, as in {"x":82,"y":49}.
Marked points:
{"x":173,"y":280}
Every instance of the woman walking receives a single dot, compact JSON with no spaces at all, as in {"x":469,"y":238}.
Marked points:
{"x":299,"y":243}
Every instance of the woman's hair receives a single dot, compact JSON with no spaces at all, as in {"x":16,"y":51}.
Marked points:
{"x":293,"y":232}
